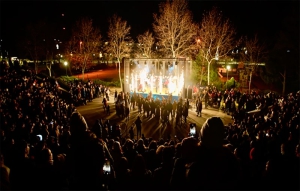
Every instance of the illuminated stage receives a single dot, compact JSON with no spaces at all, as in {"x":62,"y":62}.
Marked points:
{"x":157,"y":96}
{"x":158,"y":77}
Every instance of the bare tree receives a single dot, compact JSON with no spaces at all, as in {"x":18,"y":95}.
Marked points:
{"x":84,"y":42}
{"x":174,"y":28}
{"x":49,"y":46}
{"x":253,"y":53}
{"x":49,"y":61}
{"x":216,"y":38}
{"x":119,"y":40}
{"x":146,"y":41}
{"x":34,"y":43}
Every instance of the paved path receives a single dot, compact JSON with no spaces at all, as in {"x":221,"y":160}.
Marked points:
{"x":109,"y":74}
{"x":150,"y":127}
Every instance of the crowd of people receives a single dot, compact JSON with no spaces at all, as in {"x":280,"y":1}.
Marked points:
{"x":81,"y":93}
{"x":47,"y":144}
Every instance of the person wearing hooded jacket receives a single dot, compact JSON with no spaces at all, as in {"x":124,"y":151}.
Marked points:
{"x":215,"y":166}
{"x":86,"y":157}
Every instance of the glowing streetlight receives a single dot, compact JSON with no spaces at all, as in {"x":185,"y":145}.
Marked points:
{"x":66,"y":64}
{"x":227,"y":68}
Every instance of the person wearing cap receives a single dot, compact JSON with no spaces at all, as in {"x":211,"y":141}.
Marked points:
{"x":215,"y":166}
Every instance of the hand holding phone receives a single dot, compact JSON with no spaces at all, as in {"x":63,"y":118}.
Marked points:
{"x":192,"y":129}
{"x":106,"y":167}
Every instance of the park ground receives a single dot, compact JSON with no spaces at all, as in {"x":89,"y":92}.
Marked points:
{"x":150,"y":127}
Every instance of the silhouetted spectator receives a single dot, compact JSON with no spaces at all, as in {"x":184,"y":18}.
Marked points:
{"x":138,"y":124}
{"x":215,"y":167}
{"x":22,"y":174}
{"x":140,"y":176}
{"x":162,"y":175}
{"x":123,"y":175}
{"x":86,"y":157}
{"x":188,"y":156}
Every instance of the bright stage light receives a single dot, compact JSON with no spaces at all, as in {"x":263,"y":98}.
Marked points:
{"x":172,"y":86}
{"x":157,"y":80}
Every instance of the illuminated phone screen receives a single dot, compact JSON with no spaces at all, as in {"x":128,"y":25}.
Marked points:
{"x":106,"y":166}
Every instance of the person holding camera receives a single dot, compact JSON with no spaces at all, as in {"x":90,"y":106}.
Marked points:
{"x":87,"y":158}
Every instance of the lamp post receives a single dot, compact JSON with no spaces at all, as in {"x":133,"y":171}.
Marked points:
{"x":66,"y":64}
{"x":227,"y":68}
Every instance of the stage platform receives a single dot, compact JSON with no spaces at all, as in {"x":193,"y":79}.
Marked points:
{"x":157,"y":96}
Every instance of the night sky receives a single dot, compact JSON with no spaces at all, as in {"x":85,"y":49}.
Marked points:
{"x":248,"y":17}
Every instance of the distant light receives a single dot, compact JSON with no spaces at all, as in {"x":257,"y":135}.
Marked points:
{"x":57,"y":46}
{"x":62,"y":15}
{"x":288,"y":51}
{"x":44,"y":40}
{"x":217,"y":56}
{"x":228,"y":67}
{"x":65,"y":63}
{"x":64,"y":28}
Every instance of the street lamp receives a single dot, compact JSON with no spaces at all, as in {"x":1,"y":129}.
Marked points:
{"x":227,"y":68}
{"x":66,"y":64}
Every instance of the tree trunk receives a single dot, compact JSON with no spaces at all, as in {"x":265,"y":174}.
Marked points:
{"x":173,"y":54}
{"x":201,"y":76}
{"x":208,"y":73}
{"x":120,"y":74}
{"x":49,"y":68}
{"x":49,"y":71}
{"x":82,"y":74}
